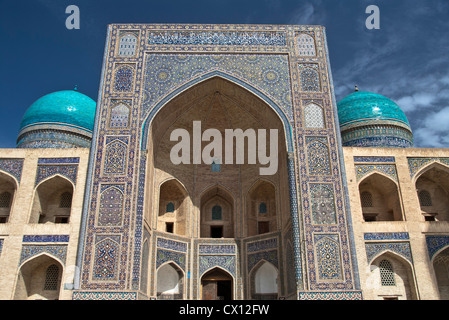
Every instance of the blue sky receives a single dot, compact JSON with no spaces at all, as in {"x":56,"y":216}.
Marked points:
{"x":407,"y":59}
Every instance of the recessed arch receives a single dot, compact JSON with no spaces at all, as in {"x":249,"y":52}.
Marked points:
{"x":217,"y":74}
{"x":47,"y":199}
{"x":170,"y":281}
{"x":386,"y":201}
{"x":394,"y":279}
{"x":264,"y":278}
{"x":33,"y":278}
{"x":432,"y":190}
{"x":8,"y":189}
{"x":217,"y":284}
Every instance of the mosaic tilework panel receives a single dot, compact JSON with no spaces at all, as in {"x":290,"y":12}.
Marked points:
{"x":373,"y":159}
{"x":107,"y":295}
{"x":45,"y":238}
{"x":124,"y":78}
{"x":13,"y":167}
{"x":30,"y":251}
{"x":362,"y":170}
{"x":1,"y":245}
{"x":323,"y":204}
{"x":128,"y":44}
{"x":111,"y":206}
{"x":171,"y":244}
{"x":115,"y":158}
{"x":227,"y":262}
{"x":165,"y":72}
{"x":309,"y":74}
{"x":318,"y":156}
{"x":106,"y":255}
{"x":435,"y":244}
{"x":218,"y":38}
{"x":416,"y":164}
{"x":270,"y":256}
{"x":216,"y":249}
{"x":375,"y":249}
{"x":262,"y":245}
{"x":328,"y":257}
{"x":386,"y":236}
{"x":119,"y":117}
{"x":58,"y":160}
{"x":163,"y":256}
{"x":305,"y":45}
{"x":45,"y":171}
{"x":313,"y":116}
{"x":334,"y":295}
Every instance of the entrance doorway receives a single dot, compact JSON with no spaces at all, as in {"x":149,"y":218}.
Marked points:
{"x":216,"y":285}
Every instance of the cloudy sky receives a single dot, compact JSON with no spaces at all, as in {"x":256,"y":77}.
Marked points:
{"x":407,"y":59}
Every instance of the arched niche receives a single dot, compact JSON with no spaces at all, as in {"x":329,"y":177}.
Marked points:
{"x":52,"y":201}
{"x":169,"y":282}
{"x":264,"y":279}
{"x":39,"y":279}
{"x":173,"y":208}
{"x":217,"y":284}
{"x":391,"y":278}
{"x":380,"y":199}
{"x":8,"y":187}
{"x":441,"y":268}
{"x":432,"y":187}
{"x":261,"y":208}
{"x":217,"y":213}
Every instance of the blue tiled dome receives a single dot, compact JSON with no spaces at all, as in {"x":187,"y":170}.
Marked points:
{"x":371,"y":120}
{"x":61,"y":119}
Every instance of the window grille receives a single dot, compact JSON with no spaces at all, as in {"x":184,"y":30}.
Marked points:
{"x":424,"y":198}
{"x":262,"y":208}
{"x":216,"y":213}
{"x":170,"y":207}
{"x":386,"y":273}
{"x":367,"y":199}
{"x":5,"y":199}
{"x":66,"y":200}
{"x":51,"y":278}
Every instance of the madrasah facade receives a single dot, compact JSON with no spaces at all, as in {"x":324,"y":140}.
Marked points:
{"x":92,"y":205}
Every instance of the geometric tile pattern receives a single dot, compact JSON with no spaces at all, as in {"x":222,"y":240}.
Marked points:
{"x":435,"y":244}
{"x":328,"y":257}
{"x":322,"y":204}
{"x":362,"y":170}
{"x":318,"y":155}
{"x":56,"y":251}
{"x":45,"y":171}
{"x":12,"y":166}
{"x":415,"y":164}
{"x":374,"y":249}
{"x":310,"y":78}
{"x":305,"y":45}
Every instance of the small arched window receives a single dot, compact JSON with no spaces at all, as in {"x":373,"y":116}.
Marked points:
{"x":262,"y":208}
{"x":424,"y":198}
{"x":386,"y":273}
{"x":51,"y":278}
{"x":5,"y":200}
{"x":217,"y":213}
{"x":366,"y":199}
{"x":170,"y":207}
{"x":65,"y":201}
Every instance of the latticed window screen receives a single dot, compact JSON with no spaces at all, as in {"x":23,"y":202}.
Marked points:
{"x":51,"y":278}
{"x":386,"y":273}
{"x":5,"y":199}
{"x":262,"y":208}
{"x":66,"y":200}
{"x":313,"y":116}
{"x":424,"y":198}
{"x":170,"y":207}
{"x":216,"y":213}
{"x":366,"y":199}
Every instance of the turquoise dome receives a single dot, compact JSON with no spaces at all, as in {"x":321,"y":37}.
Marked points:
{"x":371,"y":120}
{"x":59,"y":119}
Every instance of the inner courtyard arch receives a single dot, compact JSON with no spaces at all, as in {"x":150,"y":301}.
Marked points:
{"x":216,"y":200}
